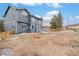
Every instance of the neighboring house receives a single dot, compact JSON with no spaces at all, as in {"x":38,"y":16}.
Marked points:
{"x":21,"y":21}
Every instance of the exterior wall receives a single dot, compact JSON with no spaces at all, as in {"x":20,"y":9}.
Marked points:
{"x":22,"y":21}
{"x":10,"y":25}
{"x":36,"y":24}
{"x":22,"y":16}
{"x":40,"y":24}
{"x":22,"y":27}
{"x":33,"y":24}
{"x":10,"y":19}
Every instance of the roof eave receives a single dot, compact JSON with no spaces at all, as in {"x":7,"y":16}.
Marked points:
{"x":6,"y":11}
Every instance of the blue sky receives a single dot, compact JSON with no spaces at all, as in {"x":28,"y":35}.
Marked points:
{"x":70,"y":12}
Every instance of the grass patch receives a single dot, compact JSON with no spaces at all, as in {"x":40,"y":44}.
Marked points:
{"x":4,"y":35}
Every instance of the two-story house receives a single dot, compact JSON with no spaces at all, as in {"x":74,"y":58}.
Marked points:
{"x":20,"y":20}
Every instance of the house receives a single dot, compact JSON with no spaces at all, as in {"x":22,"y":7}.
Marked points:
{"x":20,"y":20}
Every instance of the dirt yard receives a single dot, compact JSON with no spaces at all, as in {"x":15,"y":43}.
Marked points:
{"x":43,"y":44}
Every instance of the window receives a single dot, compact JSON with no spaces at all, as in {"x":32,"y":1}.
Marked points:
{"x":24,"y":26}
{"x":13,"y":24}
{"x":33,"y":20}
{"x":32,"y":27}
{"x":24,"y":16}
{"x":24,"y":13}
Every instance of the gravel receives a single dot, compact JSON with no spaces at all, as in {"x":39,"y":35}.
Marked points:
{"x":6,"y":52}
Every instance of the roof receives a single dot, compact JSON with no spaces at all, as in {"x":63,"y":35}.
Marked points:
{"x":21,"y":9}
{"x":16,"y":9}
{"x":6,"y":11}
{"x":37,"y":17}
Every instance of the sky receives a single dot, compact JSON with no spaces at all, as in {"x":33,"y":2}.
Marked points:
{"x":70,"y":11}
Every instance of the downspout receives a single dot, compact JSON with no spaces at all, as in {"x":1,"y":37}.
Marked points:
{"x":29,"y":25}
{"x":16,"y":26}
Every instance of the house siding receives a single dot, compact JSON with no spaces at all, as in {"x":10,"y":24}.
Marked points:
{"x":21,"y":21}
{"x":10,"y":19}
{"x":36,"y":24}
{"x":33,"y":22}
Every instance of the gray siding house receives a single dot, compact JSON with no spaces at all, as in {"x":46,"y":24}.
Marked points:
{"x":20,"y":20}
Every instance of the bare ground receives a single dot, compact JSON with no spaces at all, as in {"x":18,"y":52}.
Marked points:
{"x":44,"y":44}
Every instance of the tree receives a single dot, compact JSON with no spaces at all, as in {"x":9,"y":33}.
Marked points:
{"x":60,"y":20}
{"x":56,"y":21}
{"x":1,"y":25}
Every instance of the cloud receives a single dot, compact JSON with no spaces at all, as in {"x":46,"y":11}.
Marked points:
{"x":32,"y":4}
{"x":29,"y":4}
{"x":47,"y":17}
{"x":76,"y":17}
{"x":54,"y":12}
{"x":38,"y":16}
{"x":14,"y":4}
{"x":55,"y":5}
{"x":71,"y":20}
{"x":68,"y":21}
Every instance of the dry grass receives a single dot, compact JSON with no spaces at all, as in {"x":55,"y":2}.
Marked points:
{"x":75,"y":27}
{"x":5,"y":35}
{"x":65,"y":42}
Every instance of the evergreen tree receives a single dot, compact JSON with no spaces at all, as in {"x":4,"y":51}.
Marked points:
{"x":60,"y":20}
{"x":56,"y":21}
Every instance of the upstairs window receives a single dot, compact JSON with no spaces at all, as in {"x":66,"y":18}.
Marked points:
{"x":33,"y":20}
{"x":13,"y":24}
{"x":24,"y":16}
{"x":24,"y":13}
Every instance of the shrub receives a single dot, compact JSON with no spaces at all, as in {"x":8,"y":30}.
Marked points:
{"x":1,"y":25}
